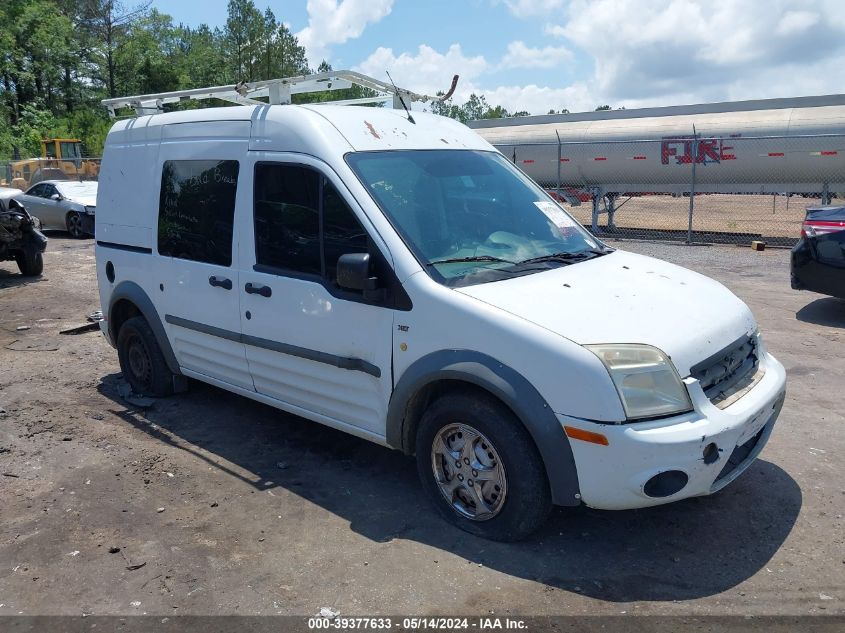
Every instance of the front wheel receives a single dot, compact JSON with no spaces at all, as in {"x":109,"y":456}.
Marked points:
{"x":30,"y":262}
{"x":481,"y":469}
{"x":74,"y":225}
{"x":141,"y":359}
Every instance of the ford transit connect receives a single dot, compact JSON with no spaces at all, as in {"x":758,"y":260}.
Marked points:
{"x":402,"y":281}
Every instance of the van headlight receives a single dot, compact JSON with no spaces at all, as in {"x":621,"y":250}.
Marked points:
{"x":647,"y":382}
{"x":90,"y":210}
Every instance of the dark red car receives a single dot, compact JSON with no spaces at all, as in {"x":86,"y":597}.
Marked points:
{"x":818,"y":259}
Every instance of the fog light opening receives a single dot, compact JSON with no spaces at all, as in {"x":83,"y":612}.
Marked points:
{"x":711,"y":453}
{"x":666,"y":484}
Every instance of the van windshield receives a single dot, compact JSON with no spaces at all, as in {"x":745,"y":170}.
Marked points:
{"x":470,"y":216}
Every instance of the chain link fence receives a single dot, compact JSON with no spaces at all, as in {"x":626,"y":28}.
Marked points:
{"x":694,"y":189}
{"x":24,"y":173}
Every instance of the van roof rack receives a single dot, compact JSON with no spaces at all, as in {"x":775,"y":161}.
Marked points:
{"x":277,"y":91}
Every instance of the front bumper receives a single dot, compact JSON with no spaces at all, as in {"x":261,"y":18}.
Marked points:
{"x":88,"y":223}
{"x":614,"y":477}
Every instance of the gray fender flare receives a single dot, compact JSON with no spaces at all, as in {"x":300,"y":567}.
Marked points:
{"x":509,"y":386}
{"x":131,"y":291}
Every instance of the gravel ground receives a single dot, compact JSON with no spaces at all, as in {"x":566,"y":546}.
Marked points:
{"x":208,"y":503}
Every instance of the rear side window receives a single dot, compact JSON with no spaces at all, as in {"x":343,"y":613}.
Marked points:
{"x":302,"y":224}
{"x":197,"y":209}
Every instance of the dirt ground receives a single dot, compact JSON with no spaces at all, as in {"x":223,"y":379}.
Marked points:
{"x":220,"y":505}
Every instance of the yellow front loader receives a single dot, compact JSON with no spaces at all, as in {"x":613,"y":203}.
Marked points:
{"x":61,"y":159}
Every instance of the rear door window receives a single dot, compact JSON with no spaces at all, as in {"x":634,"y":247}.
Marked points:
{"x":197,"y":209}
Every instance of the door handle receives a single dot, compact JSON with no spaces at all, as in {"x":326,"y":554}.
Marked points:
{"x":220,"y":282}
{"x":255,"y":289}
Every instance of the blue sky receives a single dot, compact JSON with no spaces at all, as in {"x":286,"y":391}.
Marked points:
{"x":541,"y":54}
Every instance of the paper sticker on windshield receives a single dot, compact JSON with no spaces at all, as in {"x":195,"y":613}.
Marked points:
{"x":555,"y":213}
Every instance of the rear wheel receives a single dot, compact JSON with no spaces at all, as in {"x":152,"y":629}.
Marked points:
{"x":481,"y":469}
{"x":141,"y":359}
{"x":30,"y":262}
{"x":74,"y":225}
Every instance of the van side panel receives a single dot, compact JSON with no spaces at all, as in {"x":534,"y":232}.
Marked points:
{"x":127,"y":196}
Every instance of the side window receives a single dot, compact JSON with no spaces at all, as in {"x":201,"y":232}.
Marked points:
{"x":287,"y":218}
{"x":288,"y":229}
{"x":196,"y":210}
{"x":36,"y":191}
{"x":48,"y":191}
{"x":342,"y":233}
{"x":70,"y":150}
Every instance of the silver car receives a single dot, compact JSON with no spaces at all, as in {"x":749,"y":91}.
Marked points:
{"x":65,"y":205}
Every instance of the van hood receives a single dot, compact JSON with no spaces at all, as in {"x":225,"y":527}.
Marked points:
{"x":627,"y":298}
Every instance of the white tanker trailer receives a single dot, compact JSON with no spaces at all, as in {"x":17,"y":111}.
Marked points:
{"x":792,"y":145}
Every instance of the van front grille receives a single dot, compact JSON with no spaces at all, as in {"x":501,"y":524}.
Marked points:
{"x":729,"y":372}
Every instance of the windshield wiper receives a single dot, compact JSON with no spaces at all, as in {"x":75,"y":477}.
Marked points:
{"x":474,"y":258}
{"x":565,"y":257}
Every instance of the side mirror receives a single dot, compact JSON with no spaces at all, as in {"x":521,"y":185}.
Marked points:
{"x":55,"y":197}
{"x":353,"y":272}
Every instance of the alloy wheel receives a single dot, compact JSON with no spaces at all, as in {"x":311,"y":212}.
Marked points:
{"x":74,"y":225}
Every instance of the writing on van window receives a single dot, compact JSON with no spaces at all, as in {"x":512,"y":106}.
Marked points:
{"x":196,"y":210}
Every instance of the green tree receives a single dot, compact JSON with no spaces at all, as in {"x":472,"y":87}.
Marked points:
{"x":245,"y":31}
{"x":203,"y":56}
{"x":109,"y":22}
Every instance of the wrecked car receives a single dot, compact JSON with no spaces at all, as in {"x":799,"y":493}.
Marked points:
{"x":20,"y":238}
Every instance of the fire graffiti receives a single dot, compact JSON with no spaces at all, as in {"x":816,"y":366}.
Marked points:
{"x":679,"y":150}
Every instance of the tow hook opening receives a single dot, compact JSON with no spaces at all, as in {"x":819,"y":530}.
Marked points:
{"x":666,"y":483}
{"x":711,"y":453}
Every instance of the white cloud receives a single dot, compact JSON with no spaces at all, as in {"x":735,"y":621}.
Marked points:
{"x":521,"y":56}
{"x":795,"y":22}
{"x":555,"y":30}
{"x":336,"y":21}
{"x":427,"y":71}
{"x":661,"y":52}
{"x":540,"y":99}
{"x":676,"y":51}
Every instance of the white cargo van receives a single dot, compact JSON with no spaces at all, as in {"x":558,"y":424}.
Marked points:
{"x":404,"y":282}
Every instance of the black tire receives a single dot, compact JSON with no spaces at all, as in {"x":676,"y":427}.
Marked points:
{"x":141,"y":359}
{"x":73,"y":222}
{"x":527,"y":497}
{"x":30,"y":262}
